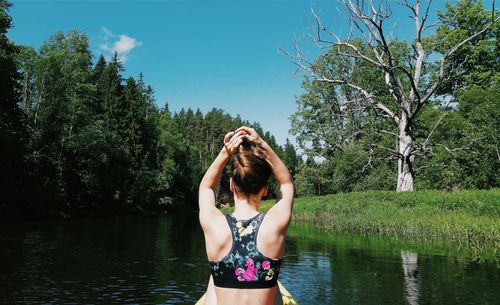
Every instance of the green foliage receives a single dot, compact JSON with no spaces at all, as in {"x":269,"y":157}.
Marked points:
{"x":337,"y":129}
{"x":13,"y":129}
{"x":475,"y":64}
{"x":348,"y":171}
{"x":473,"y":127}
{"x":312,"y":179}
{"x":198,"y":138}
{"x":466,"y":218}
{"x":290,"y":157}
{"x":348,"y":141}
{"x":83,"y":140}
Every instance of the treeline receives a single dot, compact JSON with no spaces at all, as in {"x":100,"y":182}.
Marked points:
{"x":349,"y":145}
{"x":77,"y":138}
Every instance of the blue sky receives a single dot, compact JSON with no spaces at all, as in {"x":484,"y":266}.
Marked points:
{"x":199,"y":54}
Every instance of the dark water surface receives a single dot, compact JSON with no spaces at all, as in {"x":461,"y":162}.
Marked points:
{"x":162,"y":260}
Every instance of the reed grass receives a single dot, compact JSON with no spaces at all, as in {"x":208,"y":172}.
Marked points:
{"x":467,"y":219}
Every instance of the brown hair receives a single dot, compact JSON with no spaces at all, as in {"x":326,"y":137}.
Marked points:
{"x":250,"y":168}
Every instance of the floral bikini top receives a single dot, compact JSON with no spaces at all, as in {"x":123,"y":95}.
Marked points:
{"x":245,"y":266}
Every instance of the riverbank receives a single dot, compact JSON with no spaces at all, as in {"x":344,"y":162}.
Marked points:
{"x":466,"y":219}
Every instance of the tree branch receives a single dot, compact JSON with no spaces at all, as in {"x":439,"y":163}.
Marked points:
{"x":466,"y":146}
{"x":449,"y":53}
{"x":392,"y":151}
{"x":387,"y":132}
{"x":433,"y":128}
{"x":365,"y":93}
{"x":339,"y":42}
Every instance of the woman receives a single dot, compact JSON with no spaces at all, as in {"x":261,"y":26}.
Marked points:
{"x":245,"y":249}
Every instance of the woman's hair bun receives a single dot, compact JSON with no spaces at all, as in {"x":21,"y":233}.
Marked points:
{"x":250,"y":168}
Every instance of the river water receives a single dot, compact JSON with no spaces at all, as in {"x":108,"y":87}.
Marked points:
{"x":162,"y":260}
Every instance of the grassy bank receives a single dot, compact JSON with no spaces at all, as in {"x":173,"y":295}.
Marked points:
{"x":466,"y":219}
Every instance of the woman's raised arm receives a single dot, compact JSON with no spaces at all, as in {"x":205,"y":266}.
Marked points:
{"x":206,"y":199}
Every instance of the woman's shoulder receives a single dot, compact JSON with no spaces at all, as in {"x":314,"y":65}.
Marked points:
{"x":215,"y":224}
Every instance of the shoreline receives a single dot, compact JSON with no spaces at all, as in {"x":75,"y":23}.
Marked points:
{"x":468,"y":220}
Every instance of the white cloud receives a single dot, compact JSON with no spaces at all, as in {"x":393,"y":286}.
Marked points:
{"x":126,"y":44}
{"x":121,"y":44}
{"x":106,"y":33}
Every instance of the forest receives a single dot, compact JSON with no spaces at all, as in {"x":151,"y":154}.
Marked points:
{"x":77,"y":138}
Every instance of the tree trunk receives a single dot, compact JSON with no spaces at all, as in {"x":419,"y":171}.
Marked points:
{"x":27,"y":94}
{"x":405,"y":158}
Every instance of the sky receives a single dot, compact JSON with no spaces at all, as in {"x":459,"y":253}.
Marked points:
{"x":200,"y":54}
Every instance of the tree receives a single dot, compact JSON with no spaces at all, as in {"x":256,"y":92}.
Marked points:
{"x":290,"y":157}
{"x":466,"y":150}
{"x":405,"y":73}
{"x":97,"y":106}
{"x":112,"y":92}
{"x":26,"y":61}
{"x":13,"y":133}
{"x":63,"y":91}
{"x":132,"y":119}
{"x":476,"y":63}
{"x":459,"y":164}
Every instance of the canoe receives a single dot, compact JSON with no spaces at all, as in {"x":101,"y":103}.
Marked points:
{"x":285,"y":296}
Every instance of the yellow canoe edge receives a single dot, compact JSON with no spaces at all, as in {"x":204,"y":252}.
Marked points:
{"x":285,"y":296}
{"x":201,"y":301}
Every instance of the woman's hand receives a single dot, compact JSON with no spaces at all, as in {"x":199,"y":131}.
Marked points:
{"x":232,"y":141}
{"x":209,"y":182}
{"x":250,"y":134}
{"x":281,"y":212}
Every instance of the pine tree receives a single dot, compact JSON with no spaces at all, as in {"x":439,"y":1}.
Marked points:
{"x":132,"y":121}
{"x":290,"y":157}
{"x":97,"y":106}
{"x":111,"y":83}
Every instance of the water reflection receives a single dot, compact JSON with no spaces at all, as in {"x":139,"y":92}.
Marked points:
{"x":410,"y":270}
{"x":162,"y":260}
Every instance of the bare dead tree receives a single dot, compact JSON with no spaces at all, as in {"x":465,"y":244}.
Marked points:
{"x":405,"y":83}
